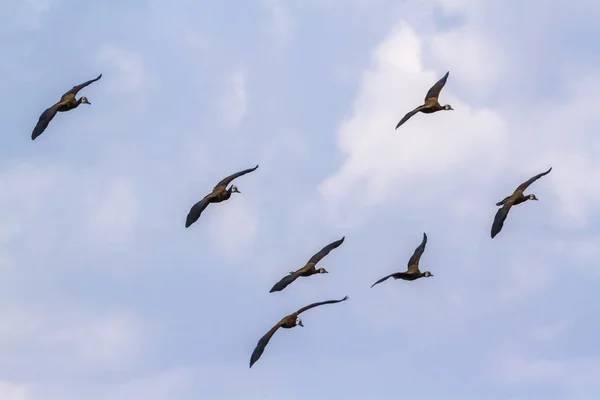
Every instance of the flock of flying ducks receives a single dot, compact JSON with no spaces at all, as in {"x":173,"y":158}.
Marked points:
{"x":221,"y":192}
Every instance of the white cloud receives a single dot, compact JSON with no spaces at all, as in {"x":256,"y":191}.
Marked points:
{"x":129,"y":68}
{"x":232,"y":102}
{"x":108,"y":341}
{"x":281,"y":26}
{"x":98,"y":341}
{"x":22,"y":197}
{"x":10,"y":391}
{"x":115,"y":212}
{"x":235,"y":227}
{"x":428,"y":150}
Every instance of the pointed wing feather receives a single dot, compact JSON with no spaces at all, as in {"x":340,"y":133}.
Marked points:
{"x":325,"y":250}
{"x":501,"y":215}
{"x":434,"y":91}
{"x":77,"y":88}
{"x":408,"y":116}
{"x":262,"y":343}
{"x":44,"y":121}
{"x":386,"y":278}
{"x":308,"y":307}
{"x":282,"y":284}
{"x":225,"y":181}
{"x":414,"y":259}
{"x":196,"y":210}
{"x":525,"y":184}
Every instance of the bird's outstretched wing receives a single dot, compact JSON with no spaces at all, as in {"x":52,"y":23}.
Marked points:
{"x":525,"y":184}
{"x":414,"y":259}
{"x":308,"y":307}
{"x":286,"y":280}
{"x":262,"y":343}
{"x":501,"y":215}
{"x":325,"y":250}
{"x":225,"y":181}
{"x":434,"y":91}
{"x":77,"y":88}
{"x":44,"y":120}
{"x":396,"y":275}
{"x":409,"y":115}
{"x":196,"y":210}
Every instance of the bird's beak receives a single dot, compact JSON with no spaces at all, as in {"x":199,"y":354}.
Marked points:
{"x":88,"y":103}
{"x":326,"y":272}
{"x":300,"y":323}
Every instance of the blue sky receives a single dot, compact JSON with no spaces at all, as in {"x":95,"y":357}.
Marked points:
{"x":105,"y":294}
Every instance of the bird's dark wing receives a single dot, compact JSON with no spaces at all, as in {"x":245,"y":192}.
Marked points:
{"x":414,"y":259}
{"x":77,"y":88}
{"x":262,"y":343}
{"x":499,"y":218}
{"x":409,"y":115}
{"x":434,"y":91}
{"x":308,"y":307}
{"x":524,"y":185}
{"x":396,"y":275}
{"x":286,"y":280}
{"x":225,"y":181}
{"x":325,"y":250}
{"x":196,"y":210}
{"x":44,"y":120}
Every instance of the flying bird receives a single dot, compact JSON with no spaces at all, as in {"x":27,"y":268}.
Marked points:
{"x":67,"y":102}
{"x":516,"y":198}
{"x":308,"y":269}
{"x":219,"y":193}
{"x":431,"y":103}
{"x":413,"y":271}
{"x":287,"y":322}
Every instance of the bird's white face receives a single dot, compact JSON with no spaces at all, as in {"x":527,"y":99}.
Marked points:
{"x":299,"y":321}
{"x":234,"y":189}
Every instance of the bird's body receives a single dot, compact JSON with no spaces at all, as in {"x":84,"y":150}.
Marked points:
{"x":431,"y":103}
{"x":219,"y":194}
{"x":309,"y":268}
{"x":68,"y":101}
{"x":412,"y":273}
{"x":287,"y":322}
{"x":514,"y":199}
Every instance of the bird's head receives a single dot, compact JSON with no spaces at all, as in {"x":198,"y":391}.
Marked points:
{"x":234,"y":189}
{"x":84,"y":100}
{"x":448,"y":107}
{"x":532,"y":197}
{"x":323,"y":271}
{"x":299,"y":322}
{"x":427,"y":274}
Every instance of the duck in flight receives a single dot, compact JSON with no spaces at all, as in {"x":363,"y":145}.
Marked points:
{"x":219,"y":193}
{"x":413,"y":271}
{"x":516,"y":198}
{"x":308,"y":269}
{"x":431,"y":103}
{"x":67,"y":102}
{"x":288,"y":322}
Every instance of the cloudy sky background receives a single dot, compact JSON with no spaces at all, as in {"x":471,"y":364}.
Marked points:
{"x":105,"y":295}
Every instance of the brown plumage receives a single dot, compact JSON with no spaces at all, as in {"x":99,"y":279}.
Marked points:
{"x":287,"y":322}
{"x":219,"y":193}
{"x":516,"y":198}
{"x":413,"y":271}
{"x":431,"y":103}
{"x":308,"y":269}
{"x":67,"y":102}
